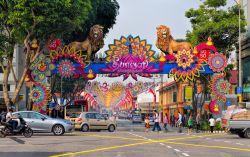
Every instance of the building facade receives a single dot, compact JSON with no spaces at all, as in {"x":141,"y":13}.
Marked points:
{"x":18,"y":67}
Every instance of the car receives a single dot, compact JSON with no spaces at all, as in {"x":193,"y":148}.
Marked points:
{"x":45,"y":124}
{"x":94,"y":121}
{"x":136,"y":118}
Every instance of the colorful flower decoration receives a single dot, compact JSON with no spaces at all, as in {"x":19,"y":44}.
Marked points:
{"x":187,"y":68}
{"x":69,"y":53}
{"x":66,"y":68}
{"x":129,"y":45}
{"x":184,"y":59}
{"x":217,"y":62}
{"x":214,"y":107}
{"x":219,"y":87}
{"x":41,"y":68}
{"x":39,"y":95}
{"x":132,"y":52}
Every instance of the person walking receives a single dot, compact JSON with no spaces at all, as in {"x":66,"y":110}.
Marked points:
{"x":212,"y":124}
{"x":156,"y":120}
{"x":147,"y":125}
{"x":179,"y":122}
{"x":165,"y":121}
{"x":172,"y":120}
{"x":190,"y":124}
{"x":198,"y":122}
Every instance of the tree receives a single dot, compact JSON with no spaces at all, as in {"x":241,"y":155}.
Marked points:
{"x":103,"y":13}
{"x":211,"y":19}
{"x":21,"y":21}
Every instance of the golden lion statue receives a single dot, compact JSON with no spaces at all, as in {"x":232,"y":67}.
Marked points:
{"x":93,"y":42}
{"x":166,"y":43}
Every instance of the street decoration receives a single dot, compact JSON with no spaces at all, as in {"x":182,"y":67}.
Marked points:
{"x":39,"y":96}
{"x":66,"y":68}
{"x":41,"y":68}
{"x":219,"y":87}
{"x":217,"y":62}
{"x":214,"y":107}
{"x":167,"y":44}
{"x":130,"y":56}
{"x":185,"y":70}
{"x":93,"y":43}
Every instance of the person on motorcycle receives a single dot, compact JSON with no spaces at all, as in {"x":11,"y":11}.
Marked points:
{"x":9,"y":119}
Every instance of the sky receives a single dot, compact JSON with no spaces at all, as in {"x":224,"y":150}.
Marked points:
{"x":141,"y":17}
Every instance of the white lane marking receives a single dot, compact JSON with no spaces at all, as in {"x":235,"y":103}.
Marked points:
{"x":240,"y":144}
{"x":169,"y":147}
{"x":227,"y":141}
{"x":162,"y":144}
{"x":185,"y":154}
{"x":208,"y":138}
{"x":177,"y":150}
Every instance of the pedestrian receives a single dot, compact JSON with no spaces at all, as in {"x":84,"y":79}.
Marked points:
{"x":179,"y":122}
{"x":190,"y":124}
{"x":198,"y":122}
{"x":165,"y":121}
{"x":172,"y":120}
{"x":211,"y":123}
{"x":156,"y":120}
{"x":147,"y":125}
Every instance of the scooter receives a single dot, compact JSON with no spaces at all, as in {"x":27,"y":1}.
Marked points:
{"x":23,"y":128}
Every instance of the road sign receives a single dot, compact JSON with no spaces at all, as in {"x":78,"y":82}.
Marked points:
{"x":239,"y":90}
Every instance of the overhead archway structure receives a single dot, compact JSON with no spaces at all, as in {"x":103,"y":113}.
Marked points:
{"x":128,"y":57}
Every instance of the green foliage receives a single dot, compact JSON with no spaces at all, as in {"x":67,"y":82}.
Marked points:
{"x":218,"y":126}
{"x":205,"y":125}
{"x":103,"y":13}
{"x":221,"y":24}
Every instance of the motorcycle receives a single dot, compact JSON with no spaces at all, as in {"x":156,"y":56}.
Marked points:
{"x":23,"y":128}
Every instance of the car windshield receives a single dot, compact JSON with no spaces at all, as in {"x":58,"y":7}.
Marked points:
{"x":73,"y":111}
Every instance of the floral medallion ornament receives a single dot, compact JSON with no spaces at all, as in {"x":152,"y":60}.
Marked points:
{"x":187,"y":68}
{"x":219,"y":87}
{"x":217,"y":62}
{"x":66,"y":68}
{"x":41,"y":68}
{"x":38,"y":95}
{"x":184,"y":59}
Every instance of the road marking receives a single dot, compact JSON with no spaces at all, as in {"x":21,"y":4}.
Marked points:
{"x":207,"y":146}
{"x":208,"y":138}
{"x":100,"y":149}
{"x":162,"y":144}
{"x":227,"y":141}
{"x":185,"y":154}
{"x":177,"y":150}
{"x":169,"y":147}
{"x":240,"y":144}
{"x":117,"y":137}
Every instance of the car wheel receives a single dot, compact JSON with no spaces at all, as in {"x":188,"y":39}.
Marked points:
{"x":247,"y":133}
{"x":241,"y":134}
{"x":58,"y":130}
{"x":85,"y":128}
{"x":111,"y":128}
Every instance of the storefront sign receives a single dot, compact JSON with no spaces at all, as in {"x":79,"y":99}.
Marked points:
{"x":188,"y":93}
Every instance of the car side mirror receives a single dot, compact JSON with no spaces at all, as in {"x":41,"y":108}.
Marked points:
{"x":43,"y":118}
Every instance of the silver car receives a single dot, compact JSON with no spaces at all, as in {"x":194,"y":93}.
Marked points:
{"x":42,"y":123}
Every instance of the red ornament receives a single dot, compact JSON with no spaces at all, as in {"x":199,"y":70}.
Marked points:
{"x":203,"y":54}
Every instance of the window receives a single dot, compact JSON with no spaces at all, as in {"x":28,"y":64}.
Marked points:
{"x":23,"y":114}
{"x":174,"y":97}
{"x":90,"y":116}
{"x":36,"y":115}
{"x":1,"y":87}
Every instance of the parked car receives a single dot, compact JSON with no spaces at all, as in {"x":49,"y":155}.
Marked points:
{"x":240,"y":127}
{"x":43,"y":123}
{"x":94,"y":121}
{"x":136,"y":118}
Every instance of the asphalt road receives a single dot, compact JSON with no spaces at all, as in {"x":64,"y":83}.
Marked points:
{"x":126,"y":144}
